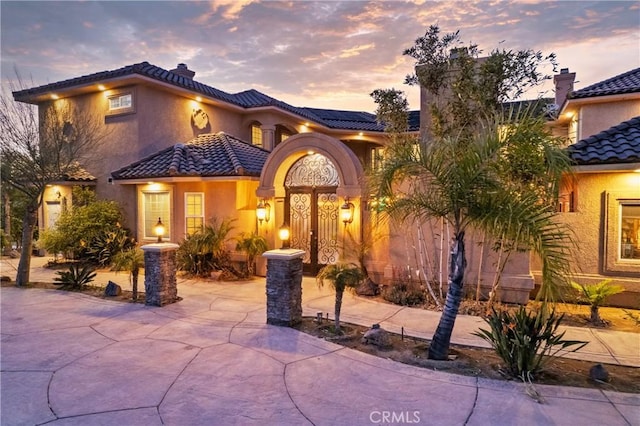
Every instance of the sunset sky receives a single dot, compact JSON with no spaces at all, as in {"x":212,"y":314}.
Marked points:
{"x":327,"y":54}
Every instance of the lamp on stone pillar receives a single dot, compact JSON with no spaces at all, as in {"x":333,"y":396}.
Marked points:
{"x":159,"y":230}
{"x":284,"y":235}
{"x":346,"y":212}
{"x":263,"y":212}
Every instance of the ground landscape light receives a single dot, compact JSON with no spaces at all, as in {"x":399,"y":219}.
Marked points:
{"x":283,"y":234}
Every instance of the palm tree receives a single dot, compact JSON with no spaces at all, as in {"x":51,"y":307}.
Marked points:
{"x":341,"y":276}
{"x":461,"y":181}
{"x":130,"y":260}
{"x":253,"y":245}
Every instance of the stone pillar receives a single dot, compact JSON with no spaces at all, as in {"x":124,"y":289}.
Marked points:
{"x":160,"y":284}
{"x":284,"y":286}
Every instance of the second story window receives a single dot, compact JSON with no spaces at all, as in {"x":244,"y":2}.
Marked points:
{"x":256,"y":135}
{"x":120,"y":102}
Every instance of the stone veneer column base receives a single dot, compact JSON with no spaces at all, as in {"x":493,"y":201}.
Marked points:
{"x":284,"y":286}
{"x":160,"y":283}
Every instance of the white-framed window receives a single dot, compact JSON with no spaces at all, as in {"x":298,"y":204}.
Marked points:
{"x":629,"y":234}
{"x":156,"y":205}
{"x":120,"y":102}
{"x":193,"y":212}
{"x":256,"y":134}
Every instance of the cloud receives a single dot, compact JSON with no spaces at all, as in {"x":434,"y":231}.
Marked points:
{"x":320,"y":53}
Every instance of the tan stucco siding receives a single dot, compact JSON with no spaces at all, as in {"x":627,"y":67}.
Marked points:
{"x":594,"y":118}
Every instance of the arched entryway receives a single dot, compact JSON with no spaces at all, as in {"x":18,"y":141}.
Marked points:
{"x":306,"y":180}
{"x":311,"y":209}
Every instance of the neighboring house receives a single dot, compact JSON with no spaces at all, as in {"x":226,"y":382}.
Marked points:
{"x":187,"y":152}
{"x":602,"y":200}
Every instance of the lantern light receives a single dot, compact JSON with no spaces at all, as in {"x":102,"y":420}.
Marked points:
{"x":283,"y":234}
{"x":159,"y":230}
{"x":263,"y":212}
{"x":346,"y":212}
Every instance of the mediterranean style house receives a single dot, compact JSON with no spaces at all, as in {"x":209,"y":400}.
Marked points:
{"x":186,"y":152}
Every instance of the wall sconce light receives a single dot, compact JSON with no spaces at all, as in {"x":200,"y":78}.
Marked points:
{"x":346,"y":212}
{"x":263,"y":212}
{"x":159,"y":230}
{"x":58,"y":194}
{"x":284,"y":234}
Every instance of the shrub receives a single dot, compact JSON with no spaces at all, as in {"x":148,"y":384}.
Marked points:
{"x":203,"y":252}
{"x":78,"y":229}
{"x":405,"y":293}
{"x":596,"y":295}
{"x":253,"y":245}
{"x":526,"y":341}
{"x":108,"y":244}
{"x":76,"y":277}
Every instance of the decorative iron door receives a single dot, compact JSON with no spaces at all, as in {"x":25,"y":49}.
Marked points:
{"x":313,"y":208}
{"x":313,"y":214}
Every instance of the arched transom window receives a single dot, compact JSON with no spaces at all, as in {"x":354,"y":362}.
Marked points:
{"x":312,"y":170}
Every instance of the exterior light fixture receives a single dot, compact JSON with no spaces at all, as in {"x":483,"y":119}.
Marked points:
{"x":284,"y":234}
{"x":198,"y":99}
{"x":159,"y":230}
{"x":54,"y":96}
{"x":263,"y":212}
{"x":346,"y":212}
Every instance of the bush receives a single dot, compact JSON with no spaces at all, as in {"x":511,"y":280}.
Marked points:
{"x":76,"y":277}
{"x":252,"y":245}
{"x":203,"y":252}
{"x":405,"y":293}
{"x":526,"y":341}
{"x":79,"y":229}
{"x":108,"y":244}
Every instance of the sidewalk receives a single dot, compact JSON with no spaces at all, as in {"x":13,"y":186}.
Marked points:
{"x":71,"y":359}
{"x":606,"y":346}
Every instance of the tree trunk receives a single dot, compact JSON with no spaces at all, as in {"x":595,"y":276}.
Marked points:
{"x":337,"y":309}
{"x":595,"y":315}
{"x":7,"y":223}
{"x":134,"y":284}
{"x":439,"y":347}
{"x":28,"y":225}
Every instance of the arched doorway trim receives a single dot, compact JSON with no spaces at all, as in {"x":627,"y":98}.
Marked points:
{"x":284,"y":155}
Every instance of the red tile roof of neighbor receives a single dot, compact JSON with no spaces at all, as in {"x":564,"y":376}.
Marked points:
{"x":618,"y":144}
{"x":207,"y":155}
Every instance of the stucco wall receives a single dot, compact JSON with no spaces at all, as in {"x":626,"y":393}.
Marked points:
{"x":597,"y":117}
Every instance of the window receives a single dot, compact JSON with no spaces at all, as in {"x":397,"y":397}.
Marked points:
{"x":630,"y":231}
{"x":377,"y":158}
{"x":256,"y":135}
{"x":194,"y":212}
{"x":156,"y":205}
{"x":284,"y":136}
{"x":120,"y":103}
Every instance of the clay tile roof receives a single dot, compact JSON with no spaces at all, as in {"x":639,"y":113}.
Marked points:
{"x":619,"y":144}
{"x":207,"y":155}
{"x":348,"y":120}
{"x":79,"y":174}
{"x":628,"y":82}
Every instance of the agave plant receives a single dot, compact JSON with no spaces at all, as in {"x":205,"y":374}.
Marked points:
{"x":76,"y":277}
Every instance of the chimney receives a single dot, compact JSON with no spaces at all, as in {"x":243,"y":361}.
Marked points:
{"x":182,"y":70}
{"x":564,"y":85}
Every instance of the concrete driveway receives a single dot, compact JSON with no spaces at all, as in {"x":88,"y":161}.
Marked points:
{"x":210,"y":359}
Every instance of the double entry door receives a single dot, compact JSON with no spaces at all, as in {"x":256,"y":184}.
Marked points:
{"x":313,"y":222}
